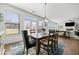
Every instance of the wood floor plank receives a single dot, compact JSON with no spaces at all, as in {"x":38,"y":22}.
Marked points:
{"x":71,"y":46}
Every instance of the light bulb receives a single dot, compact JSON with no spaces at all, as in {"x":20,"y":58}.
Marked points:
{"x":46,"y":20}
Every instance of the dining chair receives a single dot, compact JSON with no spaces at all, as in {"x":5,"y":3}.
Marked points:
{"x":56,"y":40}
{"x":47,"y":43}
{"x":54,"y":34}
{"x":55,"y":37}
{"x":27,"y":42}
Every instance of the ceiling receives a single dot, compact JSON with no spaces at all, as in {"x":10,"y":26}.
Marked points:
{"x":57,"y":12}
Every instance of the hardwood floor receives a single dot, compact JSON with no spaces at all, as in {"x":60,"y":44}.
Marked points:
{"x":71,"y":46}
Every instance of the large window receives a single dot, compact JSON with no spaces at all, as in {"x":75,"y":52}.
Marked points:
{"x":40,"y":25}
{"x":52,"y":25}
{"x":34,"y":25}
{"x":27,"y":24}
{"x":12,"y":24}
{"x":30,"y":24}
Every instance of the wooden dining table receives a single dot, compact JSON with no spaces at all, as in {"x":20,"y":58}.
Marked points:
{"x":38,"y":37}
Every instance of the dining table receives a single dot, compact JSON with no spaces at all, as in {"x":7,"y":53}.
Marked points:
{"x":38,"y":37}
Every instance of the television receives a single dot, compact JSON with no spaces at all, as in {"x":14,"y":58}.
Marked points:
{"x":70,"y":24}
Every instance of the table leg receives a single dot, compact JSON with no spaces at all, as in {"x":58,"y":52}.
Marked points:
{"x":37,"y":47}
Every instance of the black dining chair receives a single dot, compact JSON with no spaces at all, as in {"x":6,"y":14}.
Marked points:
{"x":27,"y":42}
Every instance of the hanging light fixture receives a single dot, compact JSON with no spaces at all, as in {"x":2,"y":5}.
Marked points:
{"x":45,"y":19}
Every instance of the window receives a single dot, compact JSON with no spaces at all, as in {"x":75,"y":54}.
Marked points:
{"x":40,"y":23}
{"x":34,"y":25}
{"x":27,"y":24}
{"x":52,"y":25}
{"x":12,"y":24}
{"x":30,"y":24}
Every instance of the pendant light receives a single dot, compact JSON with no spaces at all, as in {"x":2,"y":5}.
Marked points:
{"x":45,"y":19}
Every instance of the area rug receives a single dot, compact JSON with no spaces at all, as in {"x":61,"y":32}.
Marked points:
{"x":58,"y":51}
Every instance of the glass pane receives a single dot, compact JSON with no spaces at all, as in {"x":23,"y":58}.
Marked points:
{"x":12,"y":17}
{"x":12,"y":24}
{"x":27,"y":24}
{"x":12,"y":28}
{"x":40,"y":23}
{"x":33,"y":25}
